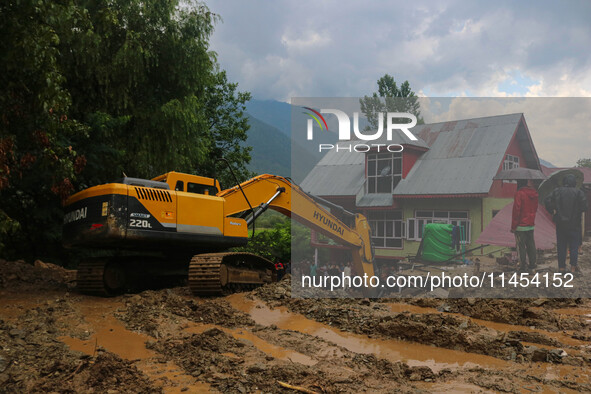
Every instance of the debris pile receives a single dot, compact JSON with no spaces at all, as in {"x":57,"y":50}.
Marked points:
{"x":32,"y":359}
{"x":151,"y":311}
{"x":18,"y":275}
{"x":231,"y":365}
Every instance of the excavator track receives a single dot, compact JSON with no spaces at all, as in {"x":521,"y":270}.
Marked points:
{"x":220,"y":273}
{"x":100,"y":278}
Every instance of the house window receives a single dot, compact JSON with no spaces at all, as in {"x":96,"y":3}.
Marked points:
{"x":384,"y":171}
{"x":510,"y":162}
{"x":416,"y":225}
{"x":387,"y":228}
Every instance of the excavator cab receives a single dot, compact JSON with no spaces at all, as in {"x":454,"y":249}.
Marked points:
{"x":189,"y":183}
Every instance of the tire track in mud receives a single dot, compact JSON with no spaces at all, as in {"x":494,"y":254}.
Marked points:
{"x":181,"y":340}
{"x":573,"y":342}
{"x":550,"y":338}
{"x":262,"y":322}
{"x":364,"y":318}
{"x":412,"y":353}
{"x":236,"y":354}
{"x":540,"y":313}
{"x":110,"y":334}
{"x":33,"y":359}
{"x":444,"y":330}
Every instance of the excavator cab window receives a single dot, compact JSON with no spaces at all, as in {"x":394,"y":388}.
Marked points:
{"x":180,"y":186}
{"x":201,"y":189}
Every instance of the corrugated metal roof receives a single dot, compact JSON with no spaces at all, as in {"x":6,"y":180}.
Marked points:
{"x":342,"y":157}
{"x":463,"y":158}
{"x":471,"y":137}
{"x":397,"y":138}
{"x":375,"y":200}
{"x":463,"y":175}
{"x":345,"y":180}
{"x":339,"y":173}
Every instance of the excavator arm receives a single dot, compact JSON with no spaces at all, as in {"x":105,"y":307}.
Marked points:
{"x":279,"y":194}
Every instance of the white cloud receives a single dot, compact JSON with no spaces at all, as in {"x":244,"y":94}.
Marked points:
{"x":311,"y":40}
{"x":278,"y":50}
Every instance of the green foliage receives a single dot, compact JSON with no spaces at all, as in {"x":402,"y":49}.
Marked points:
{"x":37,"y":161}
{"x":273,"y":244}
{"x":152,"y":92}
{"x":227,"y":124}
{"x":300,"y":243}
{"x":584,"y":163}
{"x":94,"y":88}
{"x":278,"y":242}
{"x":390,"y":98}
{"x":269,"y":219}
{"x":8,"y":227}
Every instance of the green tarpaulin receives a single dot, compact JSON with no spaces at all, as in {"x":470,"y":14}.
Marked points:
{"x":437,"y":242}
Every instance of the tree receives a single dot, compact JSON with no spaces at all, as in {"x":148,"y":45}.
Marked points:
{"x":584,"y":163}
{"x":278,"y":242}
{"x":273,"y":244}
{"x":390,"y":98}
{"x":94,"y":89}
{"x":152,"y":92}
{"x":37,"y":162}
{"x":228,"y":124}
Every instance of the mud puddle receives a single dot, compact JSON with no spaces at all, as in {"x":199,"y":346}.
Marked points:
{"x":574,"y":312}
{"x":582,"y":312}
{"x":111,"y":335}
{"x":413,"y":354}
{"x":264,"y":346}
{"x":392,"y":350}
{"x":457,"y":388}
{"x":564,"y":338}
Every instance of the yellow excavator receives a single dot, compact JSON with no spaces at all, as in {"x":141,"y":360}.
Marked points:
{"x":177,"y":221}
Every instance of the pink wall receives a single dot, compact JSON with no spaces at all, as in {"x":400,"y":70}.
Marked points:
{"x":507,"y":190}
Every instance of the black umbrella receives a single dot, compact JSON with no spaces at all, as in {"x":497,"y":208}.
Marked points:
{"x":555,"y":180}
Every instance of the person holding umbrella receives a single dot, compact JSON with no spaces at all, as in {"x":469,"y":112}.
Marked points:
{"x":525,"y":207}
{"x":567,"y":203}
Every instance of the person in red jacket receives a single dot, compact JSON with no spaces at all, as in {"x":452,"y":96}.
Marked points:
{"x":280,"y":268}
{"x":525,"y":207}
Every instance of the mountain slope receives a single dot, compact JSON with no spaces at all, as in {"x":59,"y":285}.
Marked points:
{"x":271,"y":112}
{"x":271,"y":152}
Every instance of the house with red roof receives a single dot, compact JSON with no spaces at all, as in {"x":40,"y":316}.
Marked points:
{"x":445,"y":176}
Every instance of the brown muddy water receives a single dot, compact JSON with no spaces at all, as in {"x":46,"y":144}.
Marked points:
{"x":562,"y":337}
{"x":264,"y":346}
{"x":109,"y":333}
{"x":394,"y":350}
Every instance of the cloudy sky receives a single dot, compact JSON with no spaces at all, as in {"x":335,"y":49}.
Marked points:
{"x":283,"y":49}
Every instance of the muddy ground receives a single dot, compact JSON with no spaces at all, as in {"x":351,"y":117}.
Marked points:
{"x":53,"y":339}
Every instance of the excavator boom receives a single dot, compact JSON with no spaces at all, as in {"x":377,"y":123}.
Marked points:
{"x":289,"y":199}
